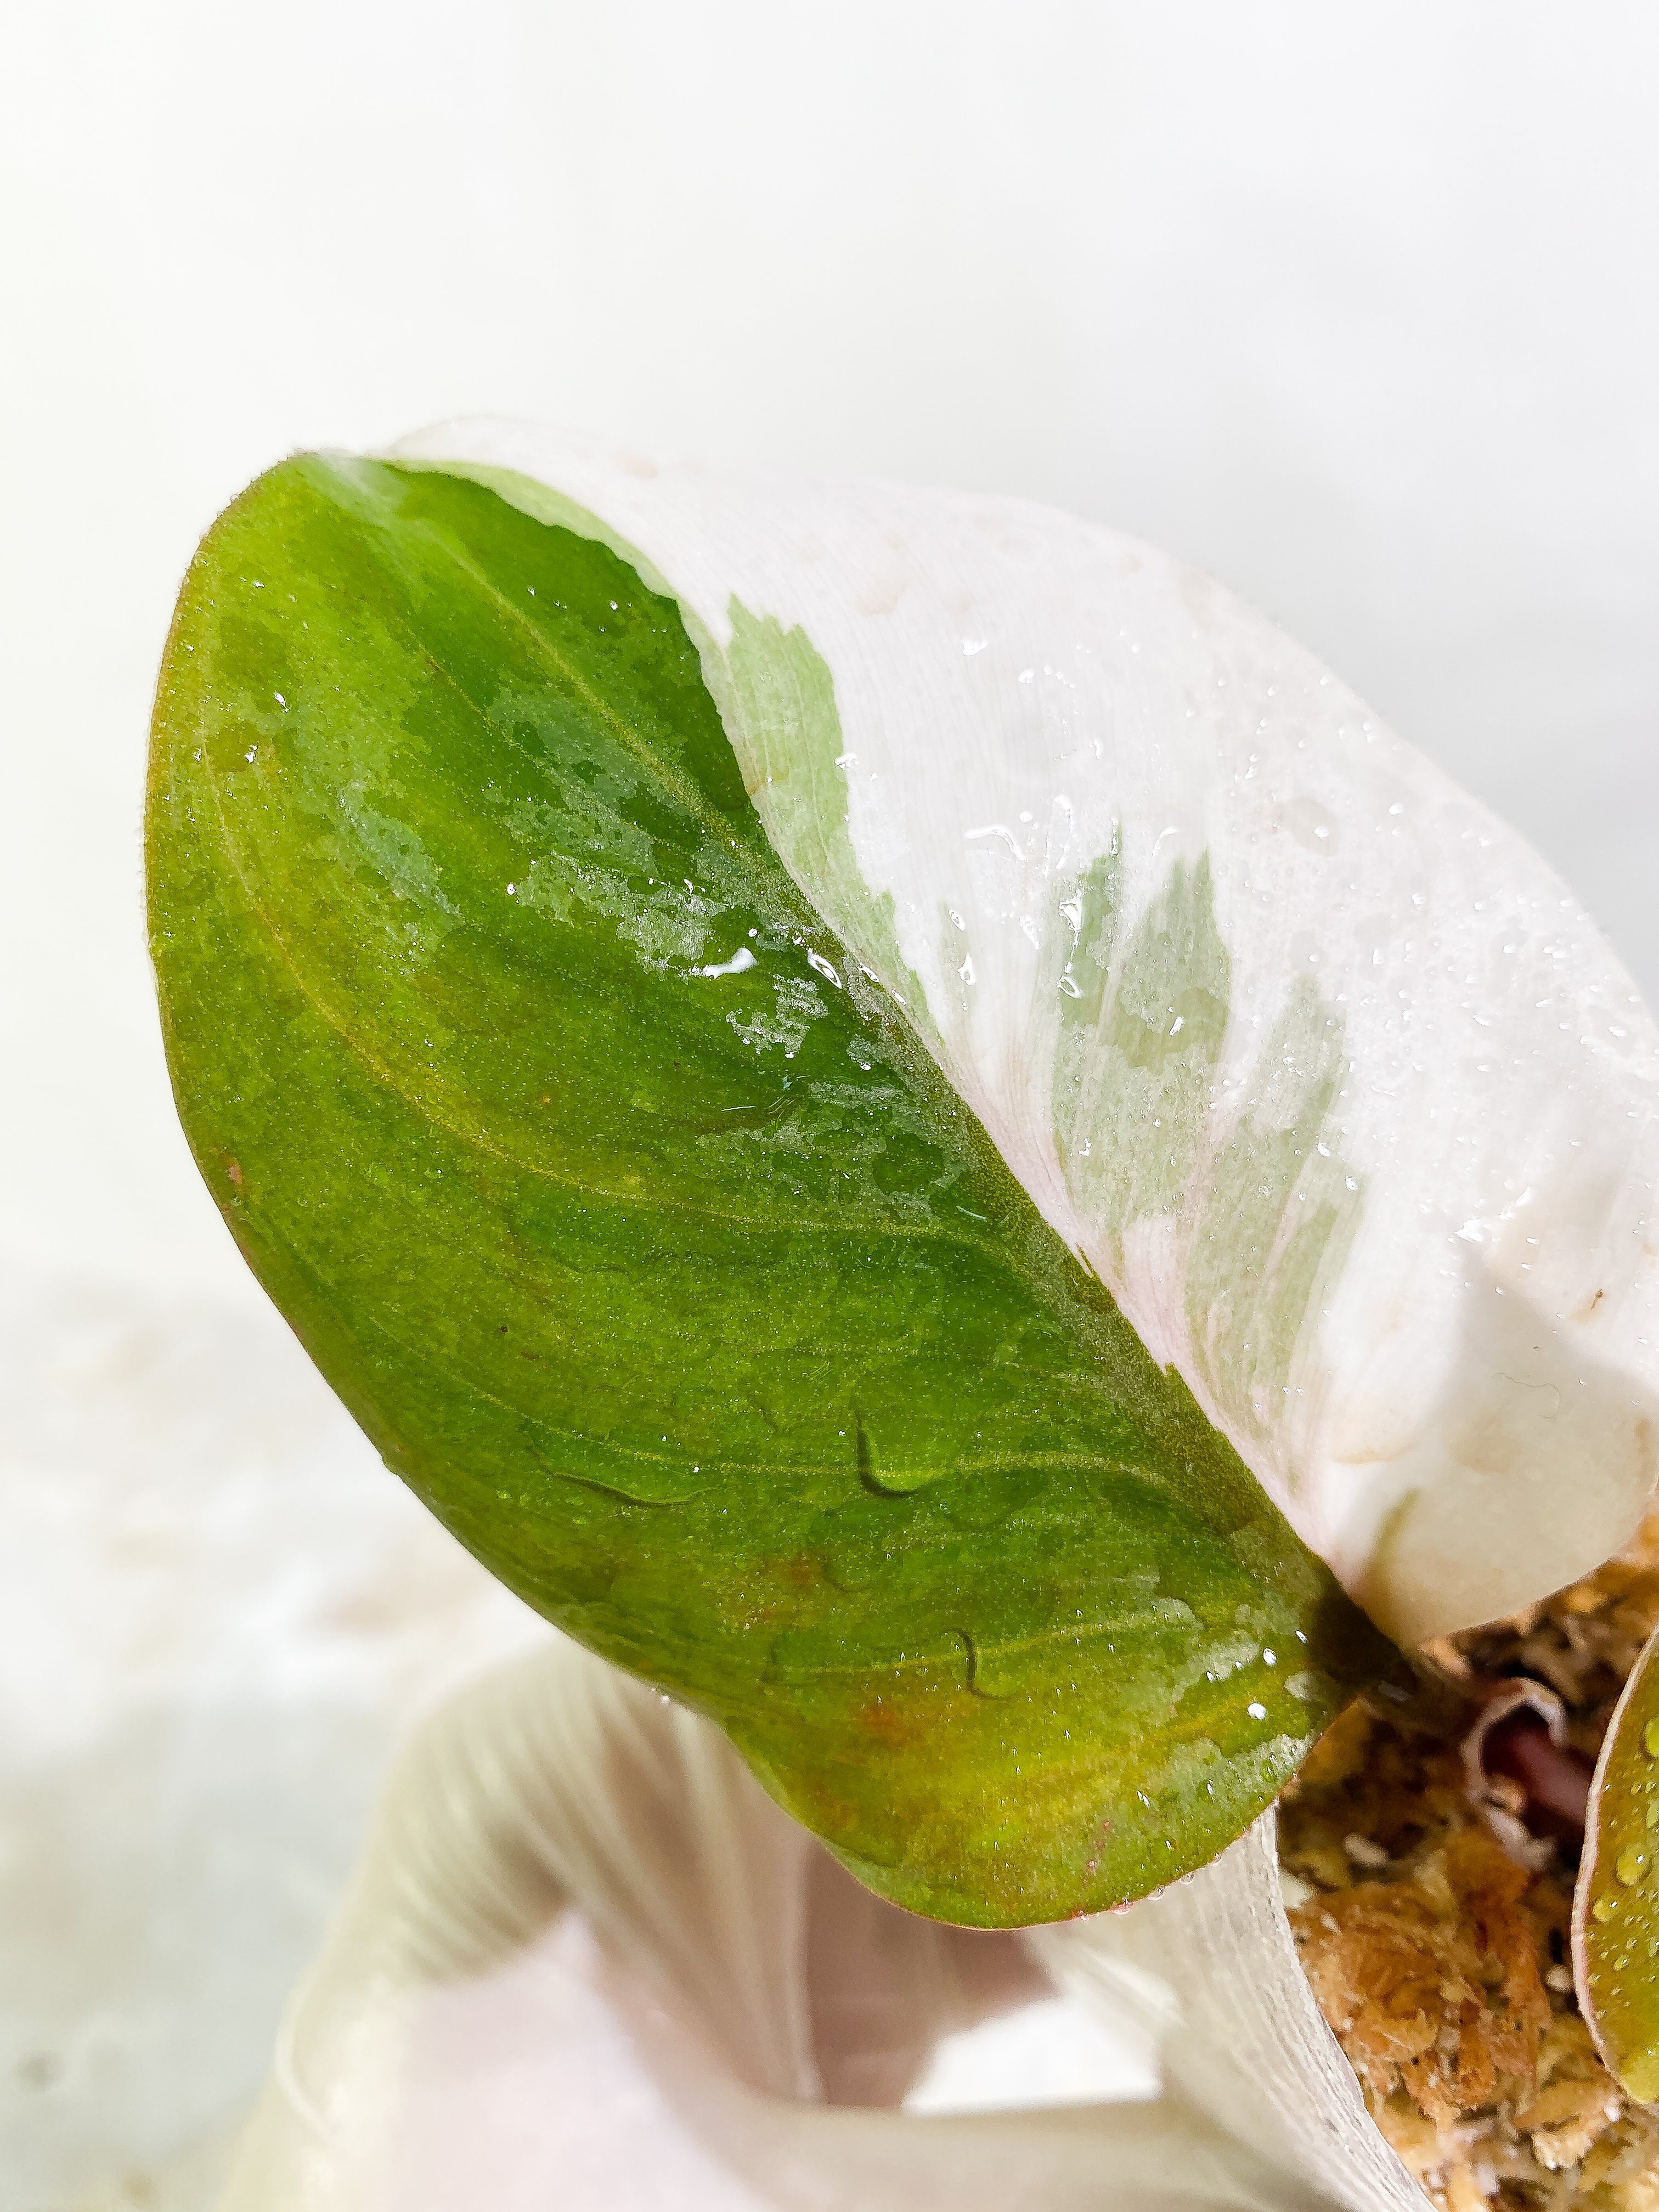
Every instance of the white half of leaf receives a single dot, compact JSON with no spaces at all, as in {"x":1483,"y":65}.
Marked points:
{"x":1313,"y":1062}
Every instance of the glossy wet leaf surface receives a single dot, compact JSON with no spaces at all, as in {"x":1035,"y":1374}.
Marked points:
{"x":635,"y":1227}
{"x":1616,"y":1903}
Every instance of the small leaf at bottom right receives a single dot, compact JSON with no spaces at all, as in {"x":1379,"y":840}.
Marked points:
{"x":1616,"y":1904}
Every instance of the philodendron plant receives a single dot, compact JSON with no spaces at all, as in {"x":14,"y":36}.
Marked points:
{"x":912,"y":1123}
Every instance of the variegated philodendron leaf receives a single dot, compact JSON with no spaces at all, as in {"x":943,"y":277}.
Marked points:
{"x":713,"y":1003}
{"x":1615,"y":1919}
{"x":1322,"y":1072}
{"x":623,"y":1207}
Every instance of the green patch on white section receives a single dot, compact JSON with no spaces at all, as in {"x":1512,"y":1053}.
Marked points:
{"x":1092,"y":911}
{"x":777,"y":700}
{"x":1265,"y":1219}
{"x":781,"y":696}
{"x":1138,"y":1051}
{"x":1281,"y":1212}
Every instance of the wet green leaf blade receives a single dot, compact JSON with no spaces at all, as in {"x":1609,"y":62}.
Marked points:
{"x":1615,"y":1918}
{"x":647,"y":1245}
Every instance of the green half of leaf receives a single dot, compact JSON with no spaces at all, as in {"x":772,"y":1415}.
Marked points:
{"x":633,"y":1226}
{"x":1615,"y":1918}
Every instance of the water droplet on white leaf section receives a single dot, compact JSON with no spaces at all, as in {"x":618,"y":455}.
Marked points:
{"x":996,"y":829}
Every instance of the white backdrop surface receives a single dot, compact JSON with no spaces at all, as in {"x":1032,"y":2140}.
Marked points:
{"x":1355,"y":307}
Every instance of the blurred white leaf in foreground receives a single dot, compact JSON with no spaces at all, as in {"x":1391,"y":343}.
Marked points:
{"x":586,"y":1961}
{"x":220,"y":1612}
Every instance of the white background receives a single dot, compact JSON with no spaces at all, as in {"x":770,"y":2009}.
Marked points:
{"x":1356,"y":305}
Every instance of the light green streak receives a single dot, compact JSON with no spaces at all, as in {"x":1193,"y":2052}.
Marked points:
{"x":1267,"y":1219}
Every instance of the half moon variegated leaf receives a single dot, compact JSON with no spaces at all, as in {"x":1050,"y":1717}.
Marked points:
{"x":624,"y":1210}
{"x":1325,"y":1076}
